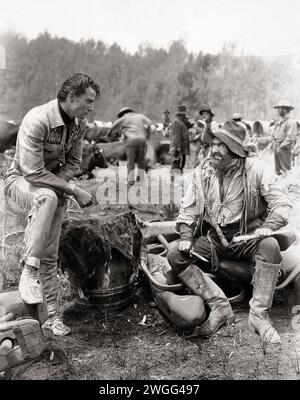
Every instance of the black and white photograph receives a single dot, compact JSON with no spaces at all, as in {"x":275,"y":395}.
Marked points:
{"x":149,"y":193}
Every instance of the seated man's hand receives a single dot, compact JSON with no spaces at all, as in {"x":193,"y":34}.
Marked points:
{"x":83,"y":198}
{"x":263,"y":232}
{"x":184,"y":246}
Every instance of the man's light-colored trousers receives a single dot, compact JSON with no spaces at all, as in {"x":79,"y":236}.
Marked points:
{"x":41,"y":240}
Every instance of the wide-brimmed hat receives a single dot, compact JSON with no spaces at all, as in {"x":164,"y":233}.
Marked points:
{"x":207,"y":109}
{"x":167,"y":112}
{"x":181,"y":110}
{"x":233,"y":135}
{"x":237,"y":116}
{"x":284,"y":104}
{"x":123,"y":111}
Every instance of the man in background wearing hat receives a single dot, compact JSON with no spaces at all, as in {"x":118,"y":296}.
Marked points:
{"x":135,"y":130}
{"x":284,"y":137}
{"x":237,"y":117}
{"x":207,"y":135}
{"x":167,"y":121}
{"x":180,"y":144}
{"x":231,"y":194}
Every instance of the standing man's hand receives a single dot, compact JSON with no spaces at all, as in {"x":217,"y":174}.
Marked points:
{"x":184,"y":246}
{"x":83,"y":198}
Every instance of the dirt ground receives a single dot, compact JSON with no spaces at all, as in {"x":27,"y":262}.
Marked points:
{"x":138,"y":343}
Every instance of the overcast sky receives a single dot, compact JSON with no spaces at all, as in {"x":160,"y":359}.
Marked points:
{"x":268,"y":27}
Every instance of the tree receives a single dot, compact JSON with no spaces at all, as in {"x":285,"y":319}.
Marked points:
{"x":150,"y":80}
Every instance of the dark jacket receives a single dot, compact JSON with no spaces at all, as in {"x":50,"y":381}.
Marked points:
{"x":180,"y":137}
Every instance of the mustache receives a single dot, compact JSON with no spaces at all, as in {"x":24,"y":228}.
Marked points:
{"x":216,"y":154}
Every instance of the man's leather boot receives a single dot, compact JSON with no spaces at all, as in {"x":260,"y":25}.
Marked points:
{"x":202,"y":285}
{"x":264,"y":282}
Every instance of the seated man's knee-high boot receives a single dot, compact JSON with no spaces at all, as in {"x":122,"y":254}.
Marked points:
{"x":220,"y":309}
{"x":264,"y":282}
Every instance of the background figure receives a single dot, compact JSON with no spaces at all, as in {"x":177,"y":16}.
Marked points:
{"x":237,"y":117}
{"x":167,"y":122}
{"x":195,"y":144}
{"x":284,"y":137}
{"x":210,"y":127}
{"x":250,"y":142}
{"x":180,"y":144}
{"x":134,"y":129}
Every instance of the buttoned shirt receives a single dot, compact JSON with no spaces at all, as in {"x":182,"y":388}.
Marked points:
{"x":227,"y":202}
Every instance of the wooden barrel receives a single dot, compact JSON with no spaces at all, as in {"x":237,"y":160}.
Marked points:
{"x":112,"y":285}
{"x":101,"y":259}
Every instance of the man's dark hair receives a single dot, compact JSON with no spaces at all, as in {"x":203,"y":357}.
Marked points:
{"x":77,"y":83}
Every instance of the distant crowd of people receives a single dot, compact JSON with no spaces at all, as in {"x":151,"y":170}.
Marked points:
{"x":191,"y":141}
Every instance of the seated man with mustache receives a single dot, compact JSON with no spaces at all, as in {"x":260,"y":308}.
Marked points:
{"x":231,"y":194}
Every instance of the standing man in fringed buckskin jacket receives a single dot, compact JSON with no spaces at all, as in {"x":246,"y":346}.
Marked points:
{"x":48,"y":154}
{"x":231,"y":194}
